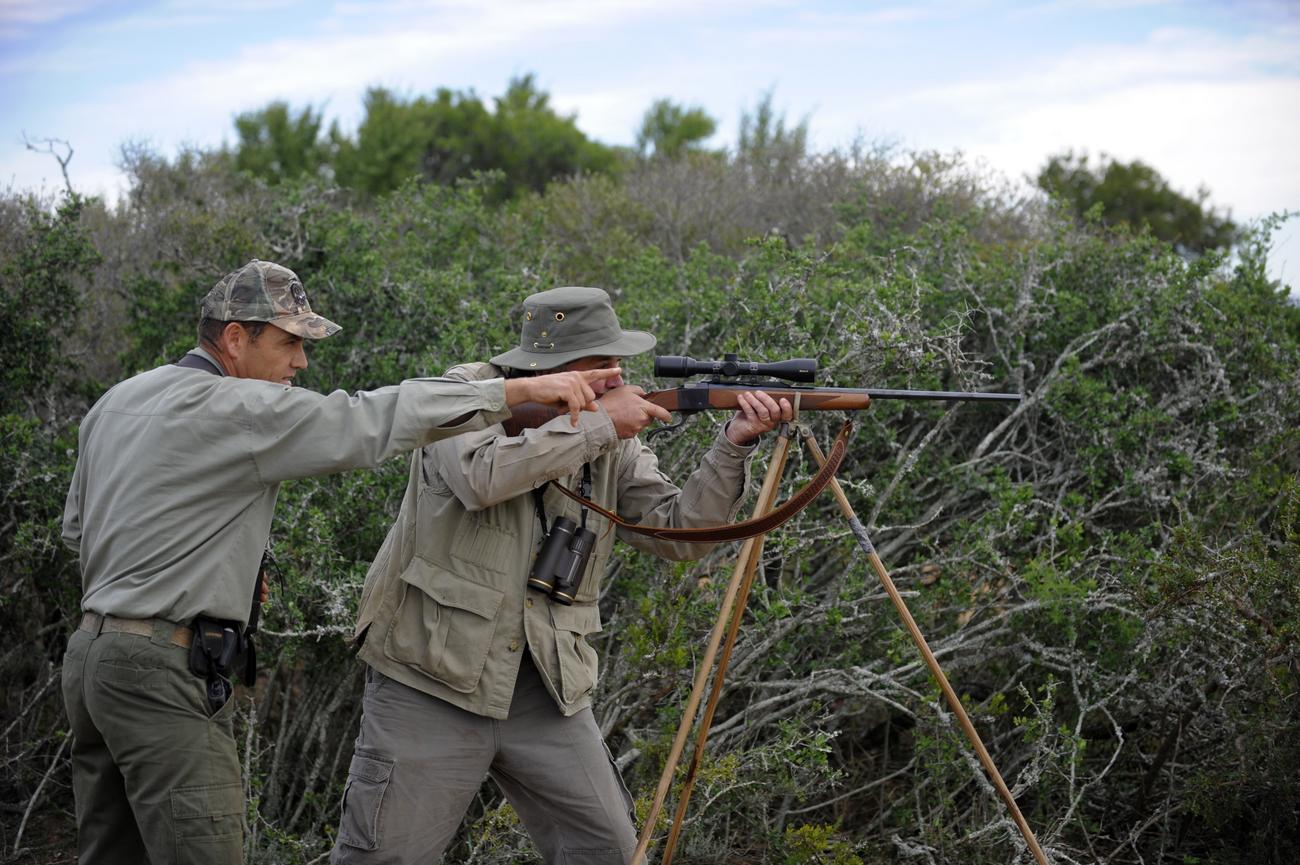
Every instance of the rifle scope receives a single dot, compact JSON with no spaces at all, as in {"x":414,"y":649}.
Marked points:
{"x":801,"y":369}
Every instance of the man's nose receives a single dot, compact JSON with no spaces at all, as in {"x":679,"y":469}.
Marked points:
{"x":300,"y":358}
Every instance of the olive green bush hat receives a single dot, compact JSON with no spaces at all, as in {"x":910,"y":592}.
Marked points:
{"x":263,"y":291}
{"x":565,"y":324}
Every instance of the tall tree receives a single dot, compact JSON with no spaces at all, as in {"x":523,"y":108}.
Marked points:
{"x":453,"y":134}
{"x":276,"y":143}
{"x":535,"y":145}
{"x":388,"y":146}
{"x":1136,"y":195}
{"x":668,"y":129}
{"x":766,"y":145}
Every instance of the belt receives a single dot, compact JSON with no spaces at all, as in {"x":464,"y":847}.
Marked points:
{"x":181,"y":635}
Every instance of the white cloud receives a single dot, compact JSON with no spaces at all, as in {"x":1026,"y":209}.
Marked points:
{"x":37,"y":12}
{"x":1086,"y":6}
{"x":1229,"y":137}
{"x":609,"y":115}
{"x":1195,"y":106}
{"x":815,"y":28}
{"x":1097,"y":69}
{"x":1202,"y":107}
{"x":19,"y":18}
{"x":430,"y":42}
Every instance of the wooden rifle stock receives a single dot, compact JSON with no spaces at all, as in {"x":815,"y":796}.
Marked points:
{"x":706,"y":396}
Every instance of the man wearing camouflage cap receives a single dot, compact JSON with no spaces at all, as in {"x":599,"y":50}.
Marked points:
{"x":170,"y":510}
{"x":471,"y":673}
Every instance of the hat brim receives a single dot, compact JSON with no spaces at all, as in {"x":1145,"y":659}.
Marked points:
{"x":631,"y":342}
{"x":308,"y":325}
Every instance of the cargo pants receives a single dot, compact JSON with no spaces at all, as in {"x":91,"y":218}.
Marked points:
{"x":419,"y":761}
{"x":155,"y":772}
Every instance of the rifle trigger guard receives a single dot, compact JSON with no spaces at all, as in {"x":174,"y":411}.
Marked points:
{"x":666,"y":428}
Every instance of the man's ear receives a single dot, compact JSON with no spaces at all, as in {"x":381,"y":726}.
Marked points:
{"x":234,"y":339}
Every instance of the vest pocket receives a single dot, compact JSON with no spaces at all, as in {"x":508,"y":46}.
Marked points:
{"x":444,"y":625}
{"x":479,"y":543}
{"x":578,"y":661}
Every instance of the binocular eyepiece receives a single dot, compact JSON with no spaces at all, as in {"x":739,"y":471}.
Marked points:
{"x":562,"y":561}
{"x":799,"y":369}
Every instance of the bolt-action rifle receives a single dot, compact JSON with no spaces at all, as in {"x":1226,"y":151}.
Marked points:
{"x":790,"y":379}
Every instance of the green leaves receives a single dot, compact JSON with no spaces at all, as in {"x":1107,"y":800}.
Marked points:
{"x":1135,"y":195}
{"x":442,"y":138}
{"x":669,"y":130}
{"x":277,"y":144}
{"x":1105,"y":571}
{"x":40,"y":296}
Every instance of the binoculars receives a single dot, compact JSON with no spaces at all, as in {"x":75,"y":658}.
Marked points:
{"x":562,"y":561}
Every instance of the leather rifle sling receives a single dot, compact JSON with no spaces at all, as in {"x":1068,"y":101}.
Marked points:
{"x":736,"y":531}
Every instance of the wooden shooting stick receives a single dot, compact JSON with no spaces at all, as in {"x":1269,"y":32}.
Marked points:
{"x":749,"y":555}
{"x":748,"y":565}
{"x":954,"y":701}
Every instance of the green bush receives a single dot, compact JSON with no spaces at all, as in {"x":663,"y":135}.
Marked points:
{"x":1106,"y":571}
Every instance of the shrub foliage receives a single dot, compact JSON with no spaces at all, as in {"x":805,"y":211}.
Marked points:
{"x":1108,"y":571}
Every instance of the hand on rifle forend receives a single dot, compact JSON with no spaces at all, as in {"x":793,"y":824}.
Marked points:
{"x":758,"y":413}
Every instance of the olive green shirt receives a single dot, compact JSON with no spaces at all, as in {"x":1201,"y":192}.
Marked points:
{"x":177,"y":473}
{"x":445,"y":607}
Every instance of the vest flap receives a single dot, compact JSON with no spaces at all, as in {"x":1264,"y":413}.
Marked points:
{"x":452,"y":590}
{"x":577,"y":620}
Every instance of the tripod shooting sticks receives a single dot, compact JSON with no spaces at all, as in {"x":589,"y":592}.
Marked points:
{"x":954,"y":702}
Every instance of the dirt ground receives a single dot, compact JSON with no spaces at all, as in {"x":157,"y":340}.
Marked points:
{"x":49,"y":839}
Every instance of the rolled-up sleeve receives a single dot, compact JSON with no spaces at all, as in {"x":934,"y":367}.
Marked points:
{"x":296,"y":433}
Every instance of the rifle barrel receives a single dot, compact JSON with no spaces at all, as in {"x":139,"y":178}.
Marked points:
{"x":943,"y":394}
{"x":875,"y":393}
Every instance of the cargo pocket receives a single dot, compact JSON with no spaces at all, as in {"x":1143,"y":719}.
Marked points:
{"x":622,"y":785}
{"x":589,"y":591}
{"x":578,"y":662}
{"x":209,"y":824}
{"x":441,"y":609}
{"x":363,"y":800}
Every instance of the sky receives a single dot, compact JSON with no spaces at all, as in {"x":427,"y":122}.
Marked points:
{"x":1207,"y":93}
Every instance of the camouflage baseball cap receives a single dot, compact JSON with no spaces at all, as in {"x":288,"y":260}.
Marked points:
{"x":263,"y":291}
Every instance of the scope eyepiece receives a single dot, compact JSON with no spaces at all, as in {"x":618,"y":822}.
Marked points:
{"x":800,"y":369}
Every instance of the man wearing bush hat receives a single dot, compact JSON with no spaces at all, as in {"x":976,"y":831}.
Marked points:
{"x":170,"y":511}
{"x":472,"y":672}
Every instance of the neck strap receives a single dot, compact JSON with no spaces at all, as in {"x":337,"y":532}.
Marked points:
{"x":539,"y":499}
{"x":198,"y":361}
